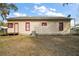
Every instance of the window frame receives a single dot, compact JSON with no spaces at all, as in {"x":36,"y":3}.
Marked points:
{"x":27,"y":26}
{"x":61,"y":26}
{"x":10,"y":25}
{"x":44,"y":23}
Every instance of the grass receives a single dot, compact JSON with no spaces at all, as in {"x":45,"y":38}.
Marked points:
{"x":1,"y":32}
{"x":20,"y":45}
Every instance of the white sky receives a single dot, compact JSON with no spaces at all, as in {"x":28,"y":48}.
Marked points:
{"x":40,"y":1}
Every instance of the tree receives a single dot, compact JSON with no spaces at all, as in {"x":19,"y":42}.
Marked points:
{"x":64,"y":4}
{"x":5,"y":9}
{"x":69,"y":15}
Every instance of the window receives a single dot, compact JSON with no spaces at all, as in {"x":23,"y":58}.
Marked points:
{"x":10,"y":25}
{"x":27,"y":26}
{"x":44,"y":23}
{"x":61,"y":26}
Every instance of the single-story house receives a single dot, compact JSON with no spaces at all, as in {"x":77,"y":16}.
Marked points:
{"x":39,"y":24}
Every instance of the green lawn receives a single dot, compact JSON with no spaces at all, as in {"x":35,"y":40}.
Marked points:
{"x":41,"y":45}
{"x":1,"y":32}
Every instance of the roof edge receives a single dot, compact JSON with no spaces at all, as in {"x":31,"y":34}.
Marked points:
{"x":37,"y":17}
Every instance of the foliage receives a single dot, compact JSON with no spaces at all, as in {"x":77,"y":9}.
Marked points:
{"x":64,"y":4}
{"x":2,"y":23}
{"x":5,"y":9}
{"x":1,"y":32}
{"x":69,"y":15}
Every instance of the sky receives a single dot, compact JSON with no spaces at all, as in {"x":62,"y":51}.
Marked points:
{"x":46,"y":9}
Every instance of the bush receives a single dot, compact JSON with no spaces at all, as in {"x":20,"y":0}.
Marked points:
{"x":1,"y":32}
{"x":75,"y":30}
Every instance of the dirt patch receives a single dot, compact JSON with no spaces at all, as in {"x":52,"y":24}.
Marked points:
{"x":39,"y":46}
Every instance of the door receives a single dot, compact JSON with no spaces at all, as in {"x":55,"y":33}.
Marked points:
{"x":16,"y":28}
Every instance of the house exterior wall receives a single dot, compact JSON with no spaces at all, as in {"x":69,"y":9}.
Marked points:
{"x":51,"y":28}
{"x":11,"y":30}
